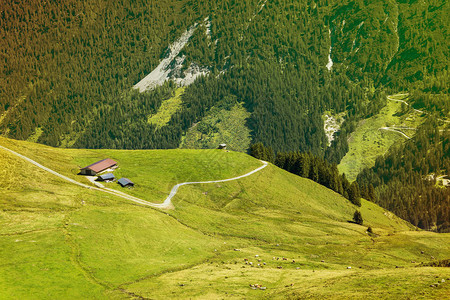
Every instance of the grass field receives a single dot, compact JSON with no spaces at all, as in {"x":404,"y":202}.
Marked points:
{"x":59,"y":240}
{"x":367,"y":142}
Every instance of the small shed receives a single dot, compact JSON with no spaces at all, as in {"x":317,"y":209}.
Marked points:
{"x":125,"y":182}
{"x":222,"y":146}
{"x":106,"y":177}
{"x":99,"y":166}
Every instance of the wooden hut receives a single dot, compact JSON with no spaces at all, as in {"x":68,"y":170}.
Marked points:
{"x":125,"y":182}
{"x":98,"y":167}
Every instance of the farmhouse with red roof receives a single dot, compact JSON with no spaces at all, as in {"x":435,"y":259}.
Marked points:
{"x":98,"y":167}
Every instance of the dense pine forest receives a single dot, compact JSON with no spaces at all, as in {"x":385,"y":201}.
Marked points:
{"x":407,"y":179}
{"x":68,"y":67}
{"x":64,"y":63}
{"x":67,"y":71}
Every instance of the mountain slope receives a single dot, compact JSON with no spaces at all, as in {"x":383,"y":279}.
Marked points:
{"x":408,"y":178}
{"x":117,"y":249}
{"x":69,"y":81}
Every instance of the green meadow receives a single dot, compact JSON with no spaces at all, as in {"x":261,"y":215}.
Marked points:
{"x":62,"y":241}
{"x":369,"y":141}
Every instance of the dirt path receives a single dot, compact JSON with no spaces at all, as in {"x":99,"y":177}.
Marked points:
{"x":167,"y":204}
{"x":395,"y":130}
{"x":398,"y":129}
{"x":174,"y":190}
{"x":416,"y":110}
{"x":403,"y":101}
{"x":47,"y":169}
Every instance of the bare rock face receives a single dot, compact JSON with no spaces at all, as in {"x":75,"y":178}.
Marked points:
{"x":171,"y":66}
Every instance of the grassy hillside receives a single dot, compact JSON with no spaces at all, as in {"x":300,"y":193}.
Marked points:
{"x":62,"y":241}
{"x":154,"y":172}
{"x":371,"y":139}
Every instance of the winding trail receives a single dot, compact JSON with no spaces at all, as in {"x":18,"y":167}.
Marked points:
{"x":174,"y":190}
{"x":398,"y":129}
{"x":47,"y":169}
{"x":395,"y":130}
{"x":167,"y":204}
{"x":416,"y":110}
{"x":403,"y":101}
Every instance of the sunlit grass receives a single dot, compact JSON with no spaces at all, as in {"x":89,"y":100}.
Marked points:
{"x":59,"y":240}
{"x":368,"y":141}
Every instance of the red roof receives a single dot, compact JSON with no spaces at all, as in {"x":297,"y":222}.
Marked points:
{"x":101,"y":165}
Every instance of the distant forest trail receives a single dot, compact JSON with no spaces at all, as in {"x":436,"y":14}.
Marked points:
{"x":400,"y":129}
{"x":416,"y":110}
{"x":403,"y":101}
{"x":167,"y":204}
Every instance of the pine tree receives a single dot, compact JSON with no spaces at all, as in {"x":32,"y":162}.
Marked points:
{"x":257,"y":150}
{"x":371,"y":193}
{"x":357,"y":217}
{"x":353,"y":194}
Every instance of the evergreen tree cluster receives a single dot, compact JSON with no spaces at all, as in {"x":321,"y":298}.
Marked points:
{"x":405,"y":180}
{"x":437,"y":103}
{"x":64,"y":63}
{"x":310,"y":166}
{"x":423,"y":43}
{"x":124,"y":124}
